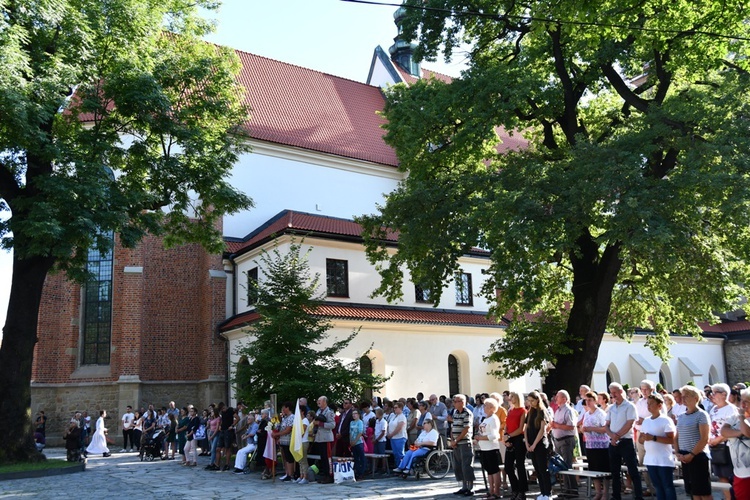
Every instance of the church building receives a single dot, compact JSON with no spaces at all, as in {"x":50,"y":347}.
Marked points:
{"x":159,"y":325}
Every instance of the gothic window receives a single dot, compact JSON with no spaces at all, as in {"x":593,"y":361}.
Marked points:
{"x":97,"y":308}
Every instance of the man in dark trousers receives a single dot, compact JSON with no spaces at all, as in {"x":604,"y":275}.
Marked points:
{"x":342,"y":431}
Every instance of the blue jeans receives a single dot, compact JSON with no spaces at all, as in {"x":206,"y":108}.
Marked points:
{"x":379,"y":447}
{"x":398,"y":445}
{"x":410,"y":456}
{"x":358,"y":451}
{"x":214,"y":442}
{"x":663,"y":480}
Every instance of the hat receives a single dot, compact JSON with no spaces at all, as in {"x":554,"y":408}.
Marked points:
{"x":740,"y":386}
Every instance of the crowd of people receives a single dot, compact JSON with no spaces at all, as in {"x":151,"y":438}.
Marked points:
{"x":704,"y":432}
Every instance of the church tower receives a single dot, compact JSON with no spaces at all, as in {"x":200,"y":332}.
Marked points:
{"x":402,"y":51}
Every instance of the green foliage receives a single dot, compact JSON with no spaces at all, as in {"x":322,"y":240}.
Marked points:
{"x":630,"y":206}
{"x":284,"y":350}
{"x":114,"y":116}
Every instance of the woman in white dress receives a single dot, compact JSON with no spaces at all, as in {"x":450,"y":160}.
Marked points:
{"x":99,"y":439}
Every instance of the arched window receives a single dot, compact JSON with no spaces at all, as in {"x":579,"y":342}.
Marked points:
{"x":365,"y":368}
{"x":97,"y":305}
{"x":663,"y":379}
{"x":453,"y":381}
{"x":610,"y":378}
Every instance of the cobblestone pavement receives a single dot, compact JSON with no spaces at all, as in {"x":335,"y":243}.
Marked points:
{"x":123,"y":474}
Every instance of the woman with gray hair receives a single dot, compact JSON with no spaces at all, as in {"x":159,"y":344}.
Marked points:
{"x":488,"y":441}
{"x":721,"y":412}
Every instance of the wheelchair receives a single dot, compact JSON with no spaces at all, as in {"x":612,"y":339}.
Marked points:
{"x":436,"y":464}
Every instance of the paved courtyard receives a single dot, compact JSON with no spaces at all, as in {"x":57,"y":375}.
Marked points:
{"x":123,"y":474}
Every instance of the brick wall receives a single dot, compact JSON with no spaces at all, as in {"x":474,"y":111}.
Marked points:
{"x":164,"y":346}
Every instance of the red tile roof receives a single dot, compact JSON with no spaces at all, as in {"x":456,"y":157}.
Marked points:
{"x":385,"y":314}
{"x":312,"y":110}
{"x":426,"y":74}
{"x":289,"y":221}
{"x":726,"y":327}
{"x":300,"y":222}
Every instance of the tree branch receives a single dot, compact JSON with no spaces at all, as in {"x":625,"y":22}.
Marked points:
{"x":622,"y":89}
{"x":569,"y":120}
{"x":664,"y":76}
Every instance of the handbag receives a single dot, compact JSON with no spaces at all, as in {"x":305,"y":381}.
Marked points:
{"x":343,"y":471}
{"x":201,"y":432}
{"x":720,"y":454}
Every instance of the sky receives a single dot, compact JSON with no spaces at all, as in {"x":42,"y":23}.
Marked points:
{"x":332,"y":36}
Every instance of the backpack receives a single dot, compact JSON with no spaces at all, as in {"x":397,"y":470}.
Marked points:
{"x":554,"y":465}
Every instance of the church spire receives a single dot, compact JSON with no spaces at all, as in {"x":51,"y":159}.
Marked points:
{"x":402,"y":51}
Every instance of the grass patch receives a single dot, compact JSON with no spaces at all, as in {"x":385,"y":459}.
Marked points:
{"x":54,"y":463}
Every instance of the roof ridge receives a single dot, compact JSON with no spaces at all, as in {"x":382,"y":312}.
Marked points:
{"x":301,"y":67}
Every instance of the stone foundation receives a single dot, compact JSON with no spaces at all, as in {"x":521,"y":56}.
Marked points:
{"x":737,"y":356}
{"x":61,"y":401}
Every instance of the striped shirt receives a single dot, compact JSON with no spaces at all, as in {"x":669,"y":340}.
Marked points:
{"x":688,"y":429}
{"x":461,"y":420}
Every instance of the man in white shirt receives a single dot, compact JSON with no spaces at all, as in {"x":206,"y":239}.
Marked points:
{"x":127,"y":430}
{"x":620,"y":418}
{"x":564,"y":431}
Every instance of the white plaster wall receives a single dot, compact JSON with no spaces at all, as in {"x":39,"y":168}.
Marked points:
{"x":705,"y":354}
{"x":417,"y":355}
{"x":276,"y":184}
{"x":363,"y":278}
{"x":380,"y":75}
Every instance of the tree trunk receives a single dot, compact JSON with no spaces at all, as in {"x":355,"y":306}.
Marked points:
{"x":594,"y":278}
{"x":16,"y":357}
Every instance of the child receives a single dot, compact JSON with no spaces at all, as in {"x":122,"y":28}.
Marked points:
{"x":369,"y":435}
{"x":381,"y":430}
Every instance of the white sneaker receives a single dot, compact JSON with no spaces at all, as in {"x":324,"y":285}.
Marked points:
{"x":397,"y":470}
{"x":303,"y":481}
{"x":123,"y":450}
{"x":282,"y":477}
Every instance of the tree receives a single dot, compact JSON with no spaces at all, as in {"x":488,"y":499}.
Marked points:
{"x":284,"y":351}
{"x":629,"y":208}
{"x":115,"y":118}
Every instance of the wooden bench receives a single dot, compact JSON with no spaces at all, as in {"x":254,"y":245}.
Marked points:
{"x":588,"y":475}
{"x":383,"y":457}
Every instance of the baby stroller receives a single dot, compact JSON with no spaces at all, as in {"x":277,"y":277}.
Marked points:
{"x":153,"y":446}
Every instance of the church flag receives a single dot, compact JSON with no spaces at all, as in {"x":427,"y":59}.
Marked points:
{"x":270,"y":450}
{"x":295,"y":446}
